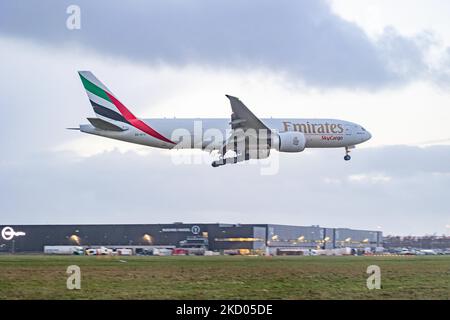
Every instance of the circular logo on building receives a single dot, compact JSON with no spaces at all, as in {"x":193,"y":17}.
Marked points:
{"x":195,"y":229}
{"x":8,"y":233}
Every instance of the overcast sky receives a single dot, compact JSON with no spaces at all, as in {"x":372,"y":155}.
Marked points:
{"x":383,"y":64}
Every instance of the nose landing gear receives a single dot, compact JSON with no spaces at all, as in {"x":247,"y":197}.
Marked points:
{"x":347,"y":151}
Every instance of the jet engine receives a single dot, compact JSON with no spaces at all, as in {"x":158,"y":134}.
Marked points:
{"x":289,"y":141}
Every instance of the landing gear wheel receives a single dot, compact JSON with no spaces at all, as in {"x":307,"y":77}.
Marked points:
{"x":347,"y":157}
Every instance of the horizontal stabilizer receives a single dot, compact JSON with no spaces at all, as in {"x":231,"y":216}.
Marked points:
{"x":104,"y":125}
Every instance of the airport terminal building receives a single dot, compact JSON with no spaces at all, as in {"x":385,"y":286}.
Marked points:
{"x":212,"y":236}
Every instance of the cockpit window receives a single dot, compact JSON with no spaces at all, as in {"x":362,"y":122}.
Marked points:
{"x":363,"y":129}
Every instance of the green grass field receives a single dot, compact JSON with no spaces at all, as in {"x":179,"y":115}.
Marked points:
{"x":224,"y":277}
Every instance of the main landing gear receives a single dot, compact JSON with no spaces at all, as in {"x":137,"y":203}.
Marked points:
{"x":347,"y":151}
{"x":223,"y":161}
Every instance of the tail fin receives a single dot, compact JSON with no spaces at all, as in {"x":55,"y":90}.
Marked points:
{"x":108,"y":107}
{"x":101,"y":98}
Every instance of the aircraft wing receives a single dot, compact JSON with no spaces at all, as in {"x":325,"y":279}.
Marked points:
{"x":245,"y":127}
{"x":242,"y":117}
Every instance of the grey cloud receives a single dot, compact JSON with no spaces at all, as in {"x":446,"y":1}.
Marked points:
{"x":400,"y":161}
{"x":303,"y":39}
{"x":405,"y":56}
{"x":126,"y":188}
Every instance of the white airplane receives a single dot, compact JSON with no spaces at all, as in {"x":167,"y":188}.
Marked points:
{"x":245,"y":135}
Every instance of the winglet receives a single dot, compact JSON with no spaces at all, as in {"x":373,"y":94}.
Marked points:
{"x":231,"y":97}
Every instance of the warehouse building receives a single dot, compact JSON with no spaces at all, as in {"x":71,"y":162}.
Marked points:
{"x":215,"y":237}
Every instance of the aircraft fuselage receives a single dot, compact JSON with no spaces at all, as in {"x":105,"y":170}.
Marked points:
{"x":319,"y":133}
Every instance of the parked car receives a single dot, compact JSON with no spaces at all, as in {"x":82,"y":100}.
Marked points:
{"x":102,"y":251}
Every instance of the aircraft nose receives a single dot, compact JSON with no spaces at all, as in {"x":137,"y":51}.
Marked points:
{"x":369,"y":136}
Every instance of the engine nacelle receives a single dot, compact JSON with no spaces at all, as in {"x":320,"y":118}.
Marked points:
{"x":289,"y":141}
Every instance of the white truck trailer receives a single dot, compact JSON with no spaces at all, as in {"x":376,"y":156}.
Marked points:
{"x":66,"y":250}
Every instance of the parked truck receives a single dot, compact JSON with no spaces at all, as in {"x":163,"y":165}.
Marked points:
{"x":66,"y":250}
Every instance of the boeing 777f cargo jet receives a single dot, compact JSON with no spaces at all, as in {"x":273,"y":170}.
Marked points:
{"x":244,"y":135}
